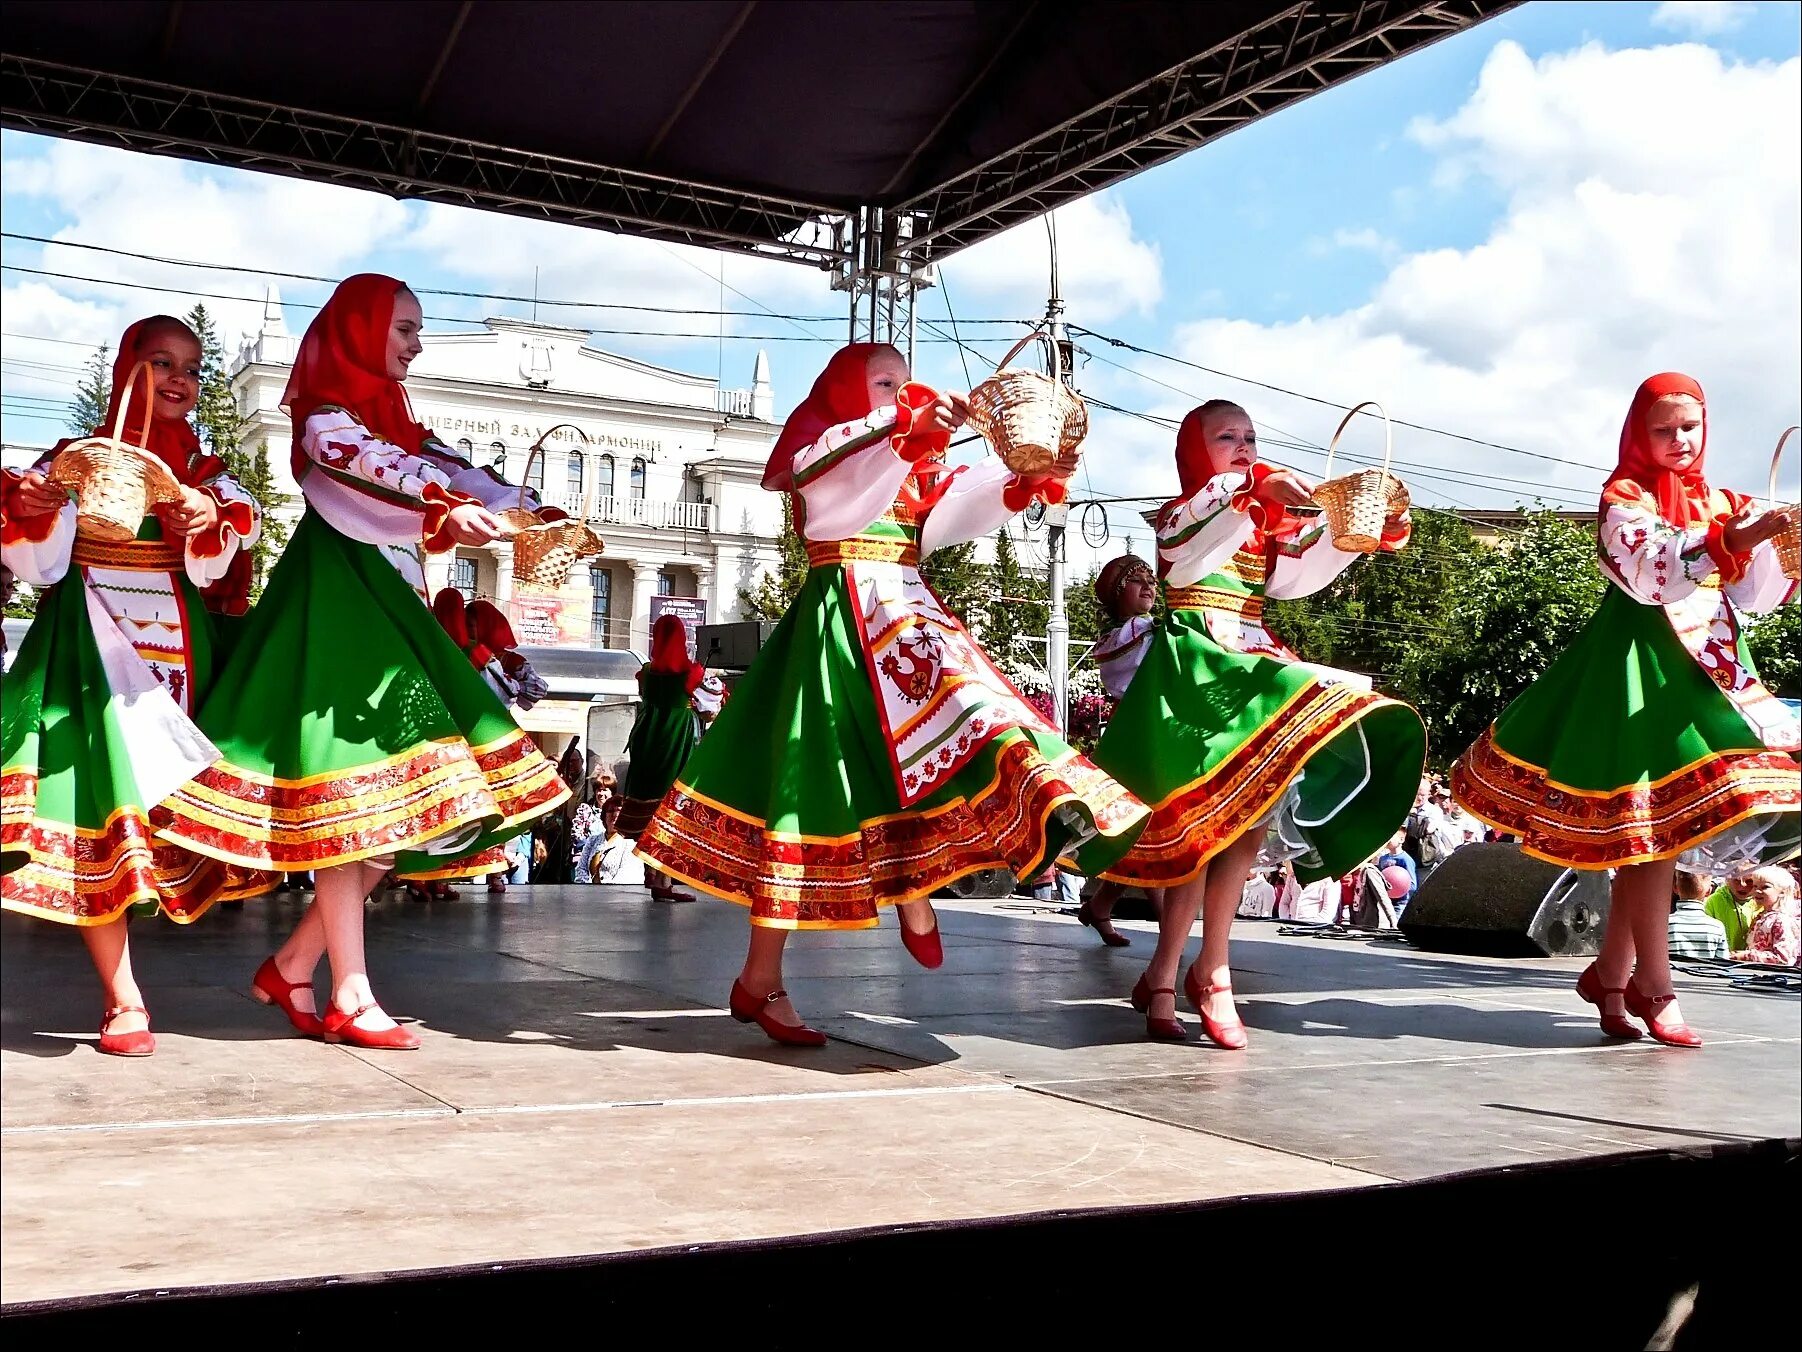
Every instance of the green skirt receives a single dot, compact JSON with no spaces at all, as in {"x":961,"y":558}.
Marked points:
{"x":79,"y":760}
{"x":662,"y":739}
{"x":789,"y":804}
{"x":351,"y":728}
{"x":1219,"y":742}
{"x":1625,"y":751}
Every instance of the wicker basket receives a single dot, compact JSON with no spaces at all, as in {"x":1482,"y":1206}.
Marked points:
{"x":1030,"y":419}
{"x":114,"y":483}
{"x":545,"y":551}
{"x":1357,"y":505}
{"x":1789,"y":544}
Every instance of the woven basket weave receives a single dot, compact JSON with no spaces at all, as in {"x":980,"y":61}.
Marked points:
{"x":115,"y":484}
{"x":545,"y":551}
{"x":1030,"y":419}
{"x":1789,"y":544}
{"x":1357,"y":505}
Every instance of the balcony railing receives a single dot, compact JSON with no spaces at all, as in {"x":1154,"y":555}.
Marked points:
{"x":657,"y":512}
{"x":735,"y":402}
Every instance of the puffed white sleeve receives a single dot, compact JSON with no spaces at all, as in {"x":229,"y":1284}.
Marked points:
{"x":970,"y":507}
{"x":1119,"y":652}
{"x":1200,"y":533}
{"x":478,"y":482}
{"x":1763,"y":586}
{"x":35,"y":548}
{"x":849,"y":477}
{"x":373,"y":490}
{"x":1657,"y":563}
{"x":209,"y":553}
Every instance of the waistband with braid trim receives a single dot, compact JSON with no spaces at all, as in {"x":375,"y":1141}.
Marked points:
{"x":1246,"y":605}
{"x":131,"y":556}
{"x":862,"y":550}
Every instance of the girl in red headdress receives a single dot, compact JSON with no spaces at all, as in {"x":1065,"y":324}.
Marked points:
{"x":354,"y":736}
{"x":97,"y":704}
{"x":1651,"y":741}
{"x":1242,"y":749}
{"x":873,"y":753}
{"x":664,"y":731}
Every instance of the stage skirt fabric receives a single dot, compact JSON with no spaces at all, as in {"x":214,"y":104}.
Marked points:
{"x":792,"y":803}
{"x":95,"y":733}
{"x":1626,"y":751}
{"x":351,"y":728}
{"x":1219,"y":742}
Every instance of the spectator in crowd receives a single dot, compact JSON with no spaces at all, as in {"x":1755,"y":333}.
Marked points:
{"x":1733,"y":904}
{"x":1258,"y":901}
{"x":550,"y":847}
{"x":1396,"y":856}
{"x":1693,"y":932}
{"x":1775,"y":938}
{"x":607,"y":856}
{"x":1317,"y":903}
{"x":1456,"y":828}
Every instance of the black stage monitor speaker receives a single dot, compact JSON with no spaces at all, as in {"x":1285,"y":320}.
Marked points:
{"x":731,"y":647}
{"x":1495,"y":901}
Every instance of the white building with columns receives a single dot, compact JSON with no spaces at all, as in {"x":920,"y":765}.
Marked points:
{"x":667,"y":465}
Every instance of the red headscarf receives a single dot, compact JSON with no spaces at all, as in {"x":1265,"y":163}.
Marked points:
{"x":669,"y":650}
{"x":1195,"y":467}
{"x":1683,"y":496}
{"x":171,"y":440}
{"x":841,"y":394}
{"x":344,"y":361}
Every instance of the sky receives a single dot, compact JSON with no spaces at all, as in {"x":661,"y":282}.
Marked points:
{"x":1496,"y":238}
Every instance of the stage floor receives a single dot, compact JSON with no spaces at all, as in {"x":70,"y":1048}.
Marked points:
{"x":581,"y":1090}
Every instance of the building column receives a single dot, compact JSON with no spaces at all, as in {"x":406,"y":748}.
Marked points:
{"x":704,"y":587}
{"x":644,"y":587}
{"x":502,"y":550}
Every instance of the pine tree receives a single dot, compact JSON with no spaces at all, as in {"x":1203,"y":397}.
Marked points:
{"x":87,"y":410}
{"x":1016,"y":604}
{"x":957,"y":579}
{"x":258,"y":480}
{"x":216,"y":414}
{"x":774,"y":592}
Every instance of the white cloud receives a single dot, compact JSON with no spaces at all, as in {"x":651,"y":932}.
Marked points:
{"x":1104,"y":269}
{"x":1700,"y":18}
{"x":1642,"y":232}
{"x":1365,"y":240}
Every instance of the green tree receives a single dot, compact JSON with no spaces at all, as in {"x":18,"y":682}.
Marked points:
{"x":958,"y":580}
{"x":216,"y":415}
{"x":93,"y":392}
{"x":258,"y":480}
{"x":775,"y":592}
{"x":1375,"y":613}
{"x":1775,"y":642}
{"x":1015,"y":603}
{"x":1514,"y":613}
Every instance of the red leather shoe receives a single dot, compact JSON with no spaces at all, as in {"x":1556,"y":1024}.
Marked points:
{"x":271,"y":988}
{"x":670,"y":894}
{"x":928,"y":949}
{"x":1102,"y":926}
{"x":748,"y":1008}
{"x":1647,"y":1006}
{"x":340,"y":1026}
{"x":1227,"y":1036}
{"x":140,"y":1043}
{"x":1158,"y":1030}
{"x":1591,"y":989}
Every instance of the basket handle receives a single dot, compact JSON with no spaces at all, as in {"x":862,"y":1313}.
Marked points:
{"x":1776,"y":458}
{"x":1388,"y":436}
{"x":1037,"y":331}
{"x":149,"y":395}
{"x":538,"y":450}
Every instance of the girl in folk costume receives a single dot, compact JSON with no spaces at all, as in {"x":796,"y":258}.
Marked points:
{"x":1651,"y":740}
{"x":873,"y":753}
{"x":354,"y":736}
{"x":1127,"y":591}
{"x":664,"y":733}
{"x":97,"y":704}
{"x":1240,"y":747}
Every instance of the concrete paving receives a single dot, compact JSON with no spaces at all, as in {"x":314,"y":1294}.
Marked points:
{"x":581,"y":1089}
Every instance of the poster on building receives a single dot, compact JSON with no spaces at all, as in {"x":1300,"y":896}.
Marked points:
{"x":691,"y":610}
{"x":542,"y":618}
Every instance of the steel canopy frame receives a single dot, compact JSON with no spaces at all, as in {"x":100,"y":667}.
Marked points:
{"x":1296,"y":51}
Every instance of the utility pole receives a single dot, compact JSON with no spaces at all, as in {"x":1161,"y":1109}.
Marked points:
{"x":1057,"y":625}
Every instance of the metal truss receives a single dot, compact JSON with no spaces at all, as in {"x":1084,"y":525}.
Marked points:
{"x":166,"y":120}
{"x":1298,"y":52}
{"x":879,"y":251}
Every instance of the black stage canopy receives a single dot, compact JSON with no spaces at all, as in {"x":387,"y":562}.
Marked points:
{"x":726,"y":123}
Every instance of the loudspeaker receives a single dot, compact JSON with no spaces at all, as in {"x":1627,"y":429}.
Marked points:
{"x":1496,"y":902}
{"x":731,"y":647}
